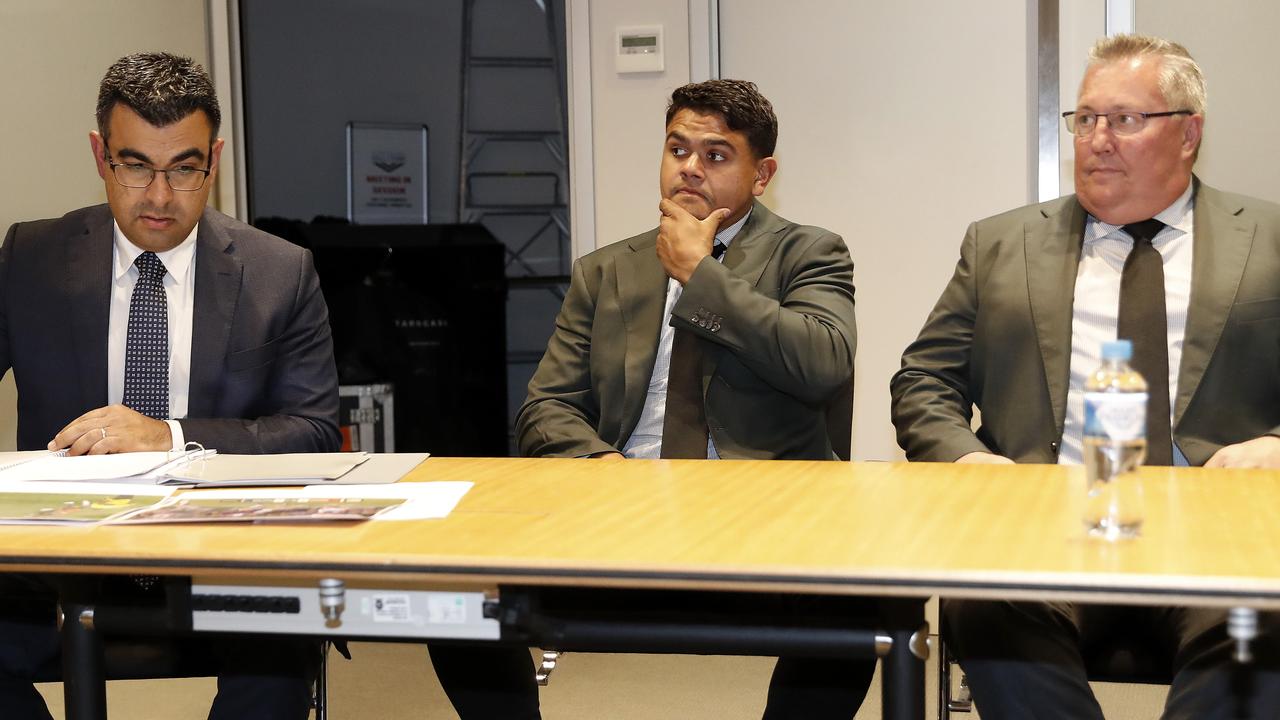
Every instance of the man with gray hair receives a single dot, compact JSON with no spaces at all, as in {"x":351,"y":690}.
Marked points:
{"x":1144,"y":251}
{"x":150,"y":322}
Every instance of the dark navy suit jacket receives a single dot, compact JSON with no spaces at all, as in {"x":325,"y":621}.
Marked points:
{"x":263,"y":378}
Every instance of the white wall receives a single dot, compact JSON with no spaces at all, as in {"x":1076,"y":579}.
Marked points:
{"x":1234,"y":43}
{"x":899,"y":124}
{"x":1081,"y":23}
{"x":54,"y":53}
{"x":628,"y":117}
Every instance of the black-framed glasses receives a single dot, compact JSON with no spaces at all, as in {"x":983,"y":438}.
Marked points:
{"x":183,"y":178}
{"x":1122,"y":122}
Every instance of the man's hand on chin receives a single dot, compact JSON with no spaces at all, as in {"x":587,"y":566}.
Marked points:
{"x":683,"y":239}
{"x":112,"y":429}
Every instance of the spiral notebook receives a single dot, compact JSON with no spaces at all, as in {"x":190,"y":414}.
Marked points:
{"x":197,"y":467}
{"x":121,"y":467}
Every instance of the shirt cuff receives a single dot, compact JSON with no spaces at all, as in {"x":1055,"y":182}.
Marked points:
{"x":175,"y":430}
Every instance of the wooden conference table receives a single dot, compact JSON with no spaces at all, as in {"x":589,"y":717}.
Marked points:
{"x":894,"y":530}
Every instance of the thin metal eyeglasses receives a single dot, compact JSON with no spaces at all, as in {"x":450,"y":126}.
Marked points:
{"x":1122,"y":122}
{"x":136,"y":175}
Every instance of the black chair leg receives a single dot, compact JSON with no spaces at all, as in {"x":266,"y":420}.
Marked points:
{"x":320,"y":701}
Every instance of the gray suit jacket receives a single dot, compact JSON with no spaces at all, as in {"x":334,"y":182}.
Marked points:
{"x":777,"y":317}
{"x":1000,"y":336}
{"x":262,"y":371}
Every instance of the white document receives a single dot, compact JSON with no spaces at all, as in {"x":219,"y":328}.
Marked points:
{"x":187,"y":468}
{"x":89,"y":488}
{"x":282,"y":469}
{"x":126,"y":467}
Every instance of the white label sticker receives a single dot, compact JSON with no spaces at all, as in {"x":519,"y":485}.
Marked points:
{"x":446,"y":609}
{"x":391,"y":608}
{"x":1117,"y":416}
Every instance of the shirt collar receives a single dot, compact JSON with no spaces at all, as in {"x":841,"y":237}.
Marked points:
{"x":176,"y":260}
{"x":726,"y":236}
{"x":1177,"y":216}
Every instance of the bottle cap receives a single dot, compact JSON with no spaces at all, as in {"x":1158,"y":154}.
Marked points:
{"x":1117,"y":350}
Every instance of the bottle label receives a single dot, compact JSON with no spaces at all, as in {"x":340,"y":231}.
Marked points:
{"x":1115,"y":416}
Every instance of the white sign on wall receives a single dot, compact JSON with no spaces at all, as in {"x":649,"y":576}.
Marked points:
{"x":386,"y":174}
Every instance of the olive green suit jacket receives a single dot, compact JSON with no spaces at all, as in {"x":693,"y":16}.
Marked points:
{"x":999,"y":338}
{"x":776,"y":318}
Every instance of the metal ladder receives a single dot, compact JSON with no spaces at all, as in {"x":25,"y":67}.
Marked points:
{"x":514,"y":179}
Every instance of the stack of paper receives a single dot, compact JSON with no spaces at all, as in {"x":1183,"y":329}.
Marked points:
{"x":193,"y":467}
{"x":135,"y":488}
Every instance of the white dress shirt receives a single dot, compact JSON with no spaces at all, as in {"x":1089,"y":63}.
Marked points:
{"x":179,"y":289}
{"x":646,"y":440}
{"x":1096,"y":308}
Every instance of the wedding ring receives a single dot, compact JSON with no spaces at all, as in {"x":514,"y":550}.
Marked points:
{"x":104,"y":432}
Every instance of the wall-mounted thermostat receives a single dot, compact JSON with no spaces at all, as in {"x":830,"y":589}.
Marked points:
{"x":639,"y":49}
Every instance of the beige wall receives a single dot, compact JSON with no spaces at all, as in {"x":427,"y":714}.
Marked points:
{"x":628,"y":117}
{"x":899,"y":124}
{"x":1234,"y":42}
{"x":54,"y":53}
{"x":1081,"y":23}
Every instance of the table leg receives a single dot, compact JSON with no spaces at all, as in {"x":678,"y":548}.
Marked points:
{"x":902,"y":670}
{"x":84,"y":685}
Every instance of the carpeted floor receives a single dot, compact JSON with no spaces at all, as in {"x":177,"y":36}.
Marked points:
{"x":389,"y":682}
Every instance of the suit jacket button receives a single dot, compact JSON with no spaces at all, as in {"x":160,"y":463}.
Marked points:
{"x":694,"y":318}
{"x":715,"y":326}
{"x":1053,"y":447}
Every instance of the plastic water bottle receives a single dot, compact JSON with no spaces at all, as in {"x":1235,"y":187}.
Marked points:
{"x":1115,"y":444}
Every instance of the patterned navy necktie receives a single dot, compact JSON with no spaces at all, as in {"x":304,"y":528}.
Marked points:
{"x":146,"y":350}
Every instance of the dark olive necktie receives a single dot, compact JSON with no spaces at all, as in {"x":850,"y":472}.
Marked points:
{"x":1143,"y":321}
{"x":684,"y":423}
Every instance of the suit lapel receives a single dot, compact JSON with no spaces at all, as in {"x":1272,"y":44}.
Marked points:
{"x":752,"y":249}
{"x":218,"y":278}
{"x":1053,"y":258}
{"x":88,"y":283}
{"x":1220,"y":248}
{"x":746,"y":258}
{"x":642,"y":294}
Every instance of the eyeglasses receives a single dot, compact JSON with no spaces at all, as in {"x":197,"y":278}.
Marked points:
{"x":1123,"y":122}
{"x":136,"y":175}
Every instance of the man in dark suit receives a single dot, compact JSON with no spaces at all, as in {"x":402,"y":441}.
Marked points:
{"x":670,"y":345}
{"x":1020,"y":326}
{"x":153,"y":322}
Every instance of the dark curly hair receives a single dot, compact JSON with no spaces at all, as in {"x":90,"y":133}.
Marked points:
{"x":741,"y":105}
{"x":161,"y":87}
